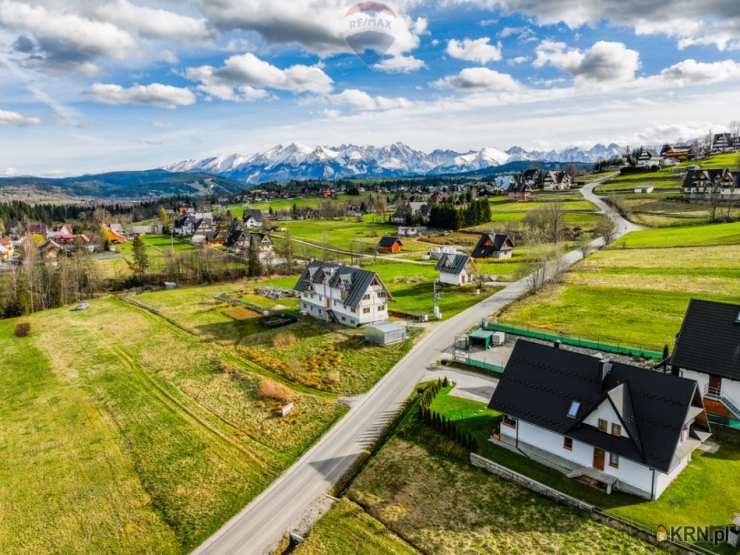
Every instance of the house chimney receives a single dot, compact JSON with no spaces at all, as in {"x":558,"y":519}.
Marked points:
{"x":606,"y":367}
{"x":556,"y":344}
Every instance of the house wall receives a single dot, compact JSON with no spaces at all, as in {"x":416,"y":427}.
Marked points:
{"x":454,"y":279}
{"x":317,"y":303}
{"x":730,"y":388}
{"x":605,"y":411}
{"x":632,"y":476}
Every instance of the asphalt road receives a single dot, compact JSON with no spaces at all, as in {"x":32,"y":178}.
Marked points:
{"x":261,"y":524}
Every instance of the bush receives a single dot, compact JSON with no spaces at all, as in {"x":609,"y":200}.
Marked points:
{"x":275,"y":391}
{"x":284,"y":339}
{"x":22,"y":329}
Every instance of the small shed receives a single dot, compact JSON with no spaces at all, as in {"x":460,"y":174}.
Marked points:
{"x":481,"y":338}
{"x":389,"y":244}
{"x":385,"y":333}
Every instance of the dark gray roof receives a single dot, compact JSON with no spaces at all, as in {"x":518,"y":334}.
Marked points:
{"x":490,"y":243}
{"x":253,"y":213}
{"x":354,"y":281}
{"x":540,"y":383}
{"x":452,"y":263}
{"x":709,"y":340}
{"x":389,"y":241}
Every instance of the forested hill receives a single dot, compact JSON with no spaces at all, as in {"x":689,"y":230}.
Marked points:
{"x":131,"y":184}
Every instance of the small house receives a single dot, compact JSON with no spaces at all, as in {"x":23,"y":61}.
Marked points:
{"x":557,"y":181}
{"x":720,"y":184}
{"x":605,"y":423}
{"x":385,"y":333}
{"x":494,"y":245}
{"x":389,"y":244}
{"x":642,"y":189}
{"x":647,"y":159}
{"x":519,"y":190}
{"x":454,"y":269}
{"x":708,"y":350}
{"x":438,"y":252}
{"x":113,"y":234}
{"x":409,"y":231}
{"x":680,"y":153}
{"x":723,"y":142}
{"x":252,"y":219}
{"x":6,"y":249}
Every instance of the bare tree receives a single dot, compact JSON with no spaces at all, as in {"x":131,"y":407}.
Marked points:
{"x":545,"y":224}
{"x":604,"y":229}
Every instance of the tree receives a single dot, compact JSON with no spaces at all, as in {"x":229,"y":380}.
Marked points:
{"x":140,"y":257}
{"x":254,"y":265}
{"x":164,"y":218}
{"x":604,"y":228}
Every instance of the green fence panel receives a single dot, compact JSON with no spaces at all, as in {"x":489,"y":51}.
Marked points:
{"x":484,"y":365}
{"x":617,"y":349}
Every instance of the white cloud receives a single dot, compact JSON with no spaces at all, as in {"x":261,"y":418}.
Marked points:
{"x":360,"y":100}
{"x":474,"y":79}
{"x":63,"y":38}
{"x":400,"y":64}
{"x":244,"y":77}
{"x":154,"y":23}
{"x":474,"y":50}
{"x":169,"y":56}
{"x":690,"y":71}
{"x":603,"y":62}
{"x":518,"y":60}
{"x":156,"y":94}
{"x":14,"y":118}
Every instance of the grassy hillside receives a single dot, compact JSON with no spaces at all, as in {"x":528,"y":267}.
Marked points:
{"x":133,"y":444}
{"x":636,"y":292}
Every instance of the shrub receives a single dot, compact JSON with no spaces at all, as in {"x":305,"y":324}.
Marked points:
{"x":284,"y":339}
{"x":22,"y":329}
{"x":333,"y":377}
{"x":275,"y":391}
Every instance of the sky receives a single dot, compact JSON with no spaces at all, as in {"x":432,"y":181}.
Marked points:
{"x":99,"y":85}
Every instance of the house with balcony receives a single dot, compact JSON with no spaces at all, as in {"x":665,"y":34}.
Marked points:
{"x":708,"y":350}
{"x":557,"y":181}
{"x":342,"y":294}
{"x":608,"y":424}
{"x":723,"y":142}
{"x":719,"y":184}
{"x":494,"y":245}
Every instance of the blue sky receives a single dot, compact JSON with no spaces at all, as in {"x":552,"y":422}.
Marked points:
{"x":88,"y":85}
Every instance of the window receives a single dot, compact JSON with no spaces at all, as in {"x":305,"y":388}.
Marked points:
{"x":366,"y":297}
{"x":366,"y":310}
{"x":508,"y":421}
{"x":614,"y":460}
{"x":616,"y":430}
{"x":603,"y":425}
{"x":381,"y":308}
{"x":573,"y":410}
{"x":568,"y":443}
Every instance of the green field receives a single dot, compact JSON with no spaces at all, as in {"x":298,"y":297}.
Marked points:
{"x":122,"y":433}
{"x":347,"y":529}
{"x":704,"y":494}
{"x":635,"y":293}
{"x":421,"y":487}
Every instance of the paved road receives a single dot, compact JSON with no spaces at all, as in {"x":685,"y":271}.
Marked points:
{"x":262,"y":523}
{"x":622,"y":225}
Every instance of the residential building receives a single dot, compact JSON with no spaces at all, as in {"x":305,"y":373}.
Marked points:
{"x":389,"y":244}
{"x":723,"y":142}
{"x":715,"y":184}
{"x":677,"y":152}
{"x":557,"y":181}
{"x":708,"y":350}
{"x":608,"y":423}
{"x":494,"y":245}
{"x":534,"y":177}
{"x":342,"y":294}
{"x":6,"y":249}
{"x":647,"y":159}
{"x":519,"y":189}
{"x":113,"y":234}
{"x":455,"y":269}
{"x":252,"y":219}
{"x":438,"y":252}
{"x":410,"y":231}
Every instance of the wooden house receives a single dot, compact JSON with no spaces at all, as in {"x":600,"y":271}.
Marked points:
{"x":713,"y":184}
{"x":557,"y":181}
{"x":494,"y":245}
{"x":389,"y":244}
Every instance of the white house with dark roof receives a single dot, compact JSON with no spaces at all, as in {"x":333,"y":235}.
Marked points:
{"x":455,"y":269}
{"x":708,"y":350}
{"x":342,"y":294}
{"x":252,"y":219}
{"x":611,"y":424}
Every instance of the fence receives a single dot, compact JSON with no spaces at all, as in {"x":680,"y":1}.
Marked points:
{"x":575,"y":342}
{"x":484,"y":365}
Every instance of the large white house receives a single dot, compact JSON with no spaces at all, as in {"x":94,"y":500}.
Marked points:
{"x":612,"y":424}
{"x":708,"y":350}
{"x":342,"y":294}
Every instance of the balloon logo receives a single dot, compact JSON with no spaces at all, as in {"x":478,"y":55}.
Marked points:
{"x":370,"y":30}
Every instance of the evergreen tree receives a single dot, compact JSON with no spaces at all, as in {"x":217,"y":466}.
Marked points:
{"x":254,"y":265}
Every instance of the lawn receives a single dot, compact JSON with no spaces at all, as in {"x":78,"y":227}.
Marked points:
{"x":133,"y":445}
{"x":348,"y":529}
{"x":324,"y":356}
{"x":637,"y":296}
{"x":705,"y":494}
{"x":421,"y":487}
{"x":347,"y":234}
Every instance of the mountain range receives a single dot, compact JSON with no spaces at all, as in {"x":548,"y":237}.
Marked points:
{"x":295,"y":161}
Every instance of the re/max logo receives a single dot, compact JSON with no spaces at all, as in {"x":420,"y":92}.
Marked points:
{"x":376,"y":23}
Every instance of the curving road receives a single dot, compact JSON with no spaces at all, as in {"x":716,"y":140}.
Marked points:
{"x":260,"y":525}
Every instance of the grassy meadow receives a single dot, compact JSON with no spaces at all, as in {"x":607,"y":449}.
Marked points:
{"x":133,"y":445}
{"x":635,"y":292}
{"x":421,"y":487}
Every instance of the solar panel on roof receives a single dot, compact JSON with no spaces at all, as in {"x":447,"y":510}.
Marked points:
{"x":573,"y":410}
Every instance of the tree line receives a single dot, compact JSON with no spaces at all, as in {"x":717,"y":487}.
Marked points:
{"x":448,"y":216}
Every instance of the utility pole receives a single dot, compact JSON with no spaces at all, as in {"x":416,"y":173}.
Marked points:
{"x":437,"y":297}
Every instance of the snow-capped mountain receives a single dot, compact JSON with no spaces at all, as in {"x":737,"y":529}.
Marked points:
{"x":294,"y":161}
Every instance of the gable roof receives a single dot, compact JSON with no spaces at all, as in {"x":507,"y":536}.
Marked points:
{"x":389,"y":241}
{"x":252,"y":213}
{"x":354,"y":281}
{"x":452,"y":263}
{"x":490,"y":243}
{"x":709,"y":340}
{"x":540,"y":383}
